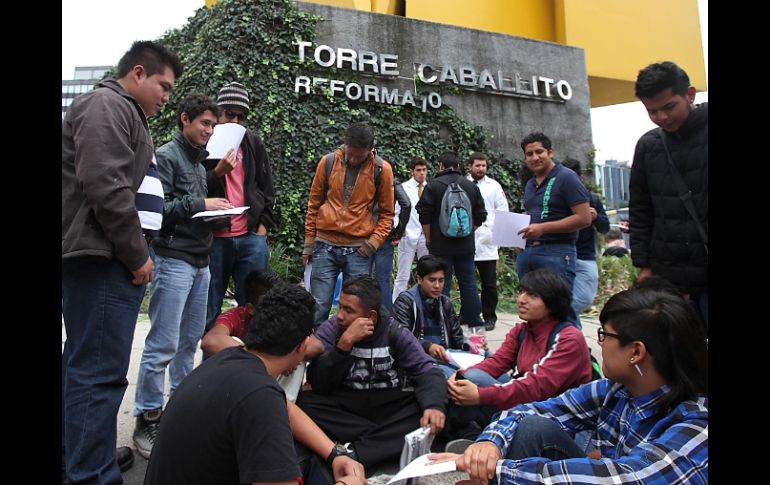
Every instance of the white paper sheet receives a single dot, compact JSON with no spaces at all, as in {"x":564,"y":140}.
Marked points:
{"x":463,"y":360}
{"x":226,"y":136}
{"x":223,"y":212}
{"x":420,"y":468}
{"x":506,"y":230}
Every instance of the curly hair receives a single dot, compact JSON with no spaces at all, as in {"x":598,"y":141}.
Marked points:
{"x":283,"y":319}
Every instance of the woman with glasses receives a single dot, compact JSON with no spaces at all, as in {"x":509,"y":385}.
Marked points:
{"x":649,"y":417}
{"x":529,"y":365}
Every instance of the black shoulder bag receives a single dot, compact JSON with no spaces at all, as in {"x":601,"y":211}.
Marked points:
{"x":685,"y":194}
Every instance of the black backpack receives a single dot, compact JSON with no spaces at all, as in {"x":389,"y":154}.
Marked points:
{"x":596,"y":368}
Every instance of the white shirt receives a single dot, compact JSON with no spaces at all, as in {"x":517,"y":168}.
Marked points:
{"x":494,"y":199}
{"x":413,"y":227}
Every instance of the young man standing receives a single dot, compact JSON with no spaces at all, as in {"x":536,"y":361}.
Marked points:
{"x":106,"y":153}
{"x":486,"y":252}
{"x":413,"y":240}
{"x":340,"y":233}
{"x":668,"y":238}
{"x":458,"y":253}
{"x":240,"y":242}
{"x":177,"y":308}
{"x":557,"y":202}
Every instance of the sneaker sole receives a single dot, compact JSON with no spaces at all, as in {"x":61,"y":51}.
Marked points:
{"x":145,"y":453}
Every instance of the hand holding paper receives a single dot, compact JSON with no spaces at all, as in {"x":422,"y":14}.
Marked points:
{"x":422,"y":466}
{"x":226,"y":136}
{"x":506,"y":230}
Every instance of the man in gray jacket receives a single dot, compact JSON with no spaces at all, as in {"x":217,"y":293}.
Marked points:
{"x":106,"y":153}
{"x":180,"y":289}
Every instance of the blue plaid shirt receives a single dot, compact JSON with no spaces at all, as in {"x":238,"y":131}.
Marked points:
{"x":636,"y":445}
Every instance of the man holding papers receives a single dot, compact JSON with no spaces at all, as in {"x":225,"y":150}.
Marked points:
{"x":240,"y":242}
{"x":180,"y":284}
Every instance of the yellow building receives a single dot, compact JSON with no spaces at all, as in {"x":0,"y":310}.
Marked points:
{"x":619,"y":36}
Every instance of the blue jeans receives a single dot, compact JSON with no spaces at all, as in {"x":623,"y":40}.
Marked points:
{"x":328,"y":261}
{"x":177,"y":316}
{"x":237,"y":257}
{"x":539,"y":436}
{"x":558,"y":257}
{"x":585,"y":285}
{"x":465,"y":268}
{"x":100,"y":306}
{"x":383,"y":268}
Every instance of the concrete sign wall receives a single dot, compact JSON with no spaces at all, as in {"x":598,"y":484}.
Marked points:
{"x":509,"y":85}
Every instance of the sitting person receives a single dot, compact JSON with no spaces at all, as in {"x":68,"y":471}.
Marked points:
{"x":649,"y":417}
{"x":230,"y":328}
{"x":357,"y":382}
{"x":429,"y":314}
{"x":539,"y":371}
{"x":229,"y":421}
{"x":615,"y":244}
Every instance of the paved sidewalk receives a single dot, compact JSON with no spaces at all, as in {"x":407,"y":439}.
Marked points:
{"x":126,"y":421}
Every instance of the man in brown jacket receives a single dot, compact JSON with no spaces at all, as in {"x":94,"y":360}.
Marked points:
{"x":341,"y":234}
{"x":106,"y":153}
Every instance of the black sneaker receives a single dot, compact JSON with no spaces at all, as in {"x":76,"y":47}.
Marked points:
{"x":125,"y":458}
{"x":146,"y":430}
{"x":489,"y":325}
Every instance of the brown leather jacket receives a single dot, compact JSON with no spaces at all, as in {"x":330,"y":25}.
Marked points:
{"x":330,"y":218}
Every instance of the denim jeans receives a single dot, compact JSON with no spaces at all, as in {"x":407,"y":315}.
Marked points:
{"x":237,"y":257}
{"x":328,"y":261}
{"x":539,"y":436}
{"x":383,"y":268}
{"x":558,"y":257}
{"x":465,"y":269}
{"x":100,"y":306}
{"x":177,"y":316}
{"x":585,"y":285}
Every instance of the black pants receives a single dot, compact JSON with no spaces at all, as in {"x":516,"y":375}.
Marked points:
{"x":375,"y":421}
{"x":488,"y":277}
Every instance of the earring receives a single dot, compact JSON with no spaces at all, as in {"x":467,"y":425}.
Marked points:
{"x":636,"y":366}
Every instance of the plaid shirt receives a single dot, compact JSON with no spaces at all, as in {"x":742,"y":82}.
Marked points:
{"x":636,"y":445}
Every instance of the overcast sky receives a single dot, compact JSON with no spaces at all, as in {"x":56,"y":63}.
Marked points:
{"x":98,"y":32}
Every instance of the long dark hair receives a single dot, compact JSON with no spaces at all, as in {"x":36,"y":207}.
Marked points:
{"x":672,"y":333}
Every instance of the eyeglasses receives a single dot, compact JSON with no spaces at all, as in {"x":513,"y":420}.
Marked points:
{"x":601,"y":335}
{"x":232,"y":114}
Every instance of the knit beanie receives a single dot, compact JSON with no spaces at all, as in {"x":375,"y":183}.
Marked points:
{"x":233,"y":94}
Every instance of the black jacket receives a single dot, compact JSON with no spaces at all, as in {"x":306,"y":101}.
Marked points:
{"x":184,"y":190}
{"x":258,"y":184}
{"x":663,"y":235}
{"x":408,"y":310}
{"x":429,"y":208}
{"x":406,"y":207}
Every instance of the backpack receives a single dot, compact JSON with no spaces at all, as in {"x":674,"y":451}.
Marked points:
{"x":596,"y":368}
{"x":455,"y":217}
{"x":329,"y":159}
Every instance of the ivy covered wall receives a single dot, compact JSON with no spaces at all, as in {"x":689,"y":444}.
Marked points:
{"x":251,"y":41}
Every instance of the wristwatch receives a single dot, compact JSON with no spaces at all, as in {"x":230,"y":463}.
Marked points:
{"x":339,"y":449}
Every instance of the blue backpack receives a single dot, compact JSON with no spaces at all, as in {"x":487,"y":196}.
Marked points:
{"x":455,"y":217}
{"x":596,"y":368}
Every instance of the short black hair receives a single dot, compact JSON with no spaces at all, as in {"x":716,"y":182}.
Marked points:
{"x":151,"y":55}
{"x":573,"y":165}
{"x":551,"y":288}
{"x":417,"y":161}
{"x":359,"y":135}
{"x":259,"y":282}
{"x":535,"y":137}
{"x":430,"y":263}
{"x":194,"y":105}
{"x":660,"y":76}
{"x":283,"y":319}
{"x":477,"y":156}
{"x":366,"y":289}
{"x":449,"y":159}
{"x":658,"y":283}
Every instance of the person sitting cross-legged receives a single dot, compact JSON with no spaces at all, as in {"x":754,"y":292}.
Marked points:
{"x":537,"y":370}
{"x":357,"y":394}
{"x":649,"y":417}
{"x":429,"y":314}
